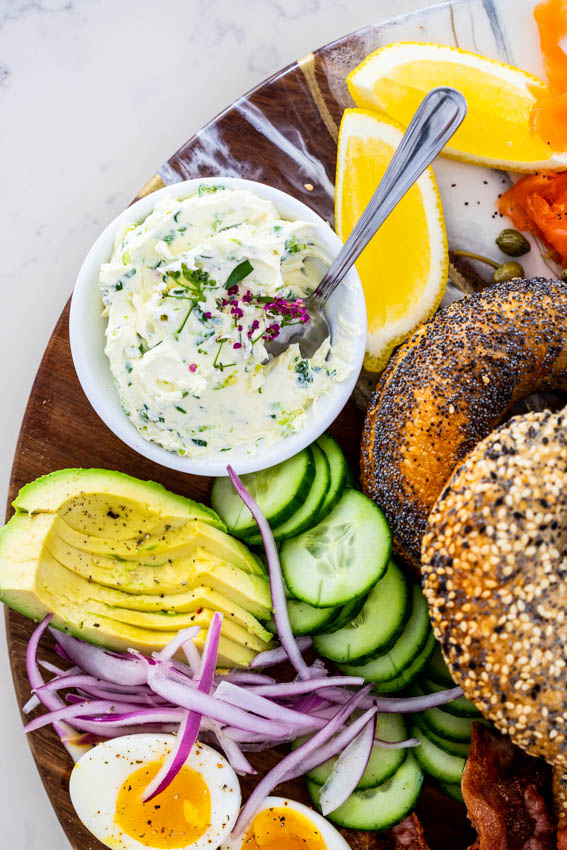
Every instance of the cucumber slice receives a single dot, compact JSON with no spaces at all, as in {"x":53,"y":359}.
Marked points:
{"x":379,"y":807}
{"x":338,"y":474}
{"x":410,"y":672}
{"x":376,"y":628}
{"x":346,"y":614}
{"x":445,"y":724}
{"x":461,"y":707}
{"x":435,"y":761}
{"x":279,"y":491}
{"x":382,"y":764}
{"x":407,"y":647}
{"x":304,"y":619}
{"x":438,"y":671}
{"x":454,"y":748}
{"x":342,"y":557}
{"x":306,"y":514}
{"x":453,"y":789}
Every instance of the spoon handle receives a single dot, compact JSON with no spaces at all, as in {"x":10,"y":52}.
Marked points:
{"x":438,"y":116}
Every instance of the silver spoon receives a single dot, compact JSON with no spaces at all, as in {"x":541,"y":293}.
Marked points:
{"x":438,"y":116}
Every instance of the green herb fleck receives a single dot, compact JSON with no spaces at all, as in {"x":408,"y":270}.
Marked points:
{"x":303,"y":372}
{"x":205,"y":189}
{"x":198,"y":442}
{"x":238,"y":273}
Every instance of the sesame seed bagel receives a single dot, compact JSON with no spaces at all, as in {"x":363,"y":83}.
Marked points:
{"x":452,"y":383}
{"x":494,"y":565}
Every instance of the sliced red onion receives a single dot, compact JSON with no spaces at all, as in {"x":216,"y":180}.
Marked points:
{"x":399,"y":705}
{"x":232,"y":751}
{"x":79,"y":680}
{"x":140,"y":699}
{"x":91,"y":708}
{"x":289,"y":689}
{"x":31,"y":704}
{"x":294,"y":760}
{"x":243,"y":736}
{"x":192,"y":699}
{"x":245,"y":677}
{"x":58,"y":671}
{"x":190,"y":725}
{"x":348,"y":769}
{"x":279,"y":602}
{"x":271,"y":657}
{"x":121,"y":669}
{"x":141,"y":715}
{"x":397,"y":745}
{"x":193,"y":656}
{"x":182,"y":637}
{"x":238,"y":696}
{"x":50,"y":701}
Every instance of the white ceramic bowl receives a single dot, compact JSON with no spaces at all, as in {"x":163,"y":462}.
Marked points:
{"x":87,"y":332}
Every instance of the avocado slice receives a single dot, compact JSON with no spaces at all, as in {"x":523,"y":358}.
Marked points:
{"x":74,"y":588}
{"x":178,"y":542}
{"x":122,"y":571}
{"x":171,"y":578}
{"x":85,"y":498}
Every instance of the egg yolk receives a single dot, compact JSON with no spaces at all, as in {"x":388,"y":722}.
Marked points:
{"x":282,"y":828}
{"x":173,"y":819}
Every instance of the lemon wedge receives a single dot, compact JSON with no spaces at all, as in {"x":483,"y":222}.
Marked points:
{"x":496,"y":131}
{"x":404,"y":267}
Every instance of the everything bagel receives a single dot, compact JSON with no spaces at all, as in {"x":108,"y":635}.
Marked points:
{"x":494,"y":566}
{"x":449,"y":386}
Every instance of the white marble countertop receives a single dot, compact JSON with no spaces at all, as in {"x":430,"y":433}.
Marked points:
{"x":94,"y":97}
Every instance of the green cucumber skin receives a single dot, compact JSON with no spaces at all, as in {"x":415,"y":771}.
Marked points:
{"x":454,"y":748}
{"x":326,"y":645}
{"x":407,"y":675}
{"x":364,"y":810}
{"x":334,"y":454}
{"x":296,"y":616}
{"x":293,"y":526}
{"x":460,"y":707}
{"x":438,"y":672}
{"x":453,"y":790}
{"x":382,"y":764}
{"x":390,"y":665}
{"x":435,"y":761}
{"x":444,"y":723}
{"x":250,"y":528}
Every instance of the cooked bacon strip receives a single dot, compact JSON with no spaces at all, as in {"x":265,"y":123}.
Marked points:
{"x":505,"y":791}
{"x":407,"y":835}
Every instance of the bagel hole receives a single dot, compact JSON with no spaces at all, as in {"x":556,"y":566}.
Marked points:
{"x":553,"y":400}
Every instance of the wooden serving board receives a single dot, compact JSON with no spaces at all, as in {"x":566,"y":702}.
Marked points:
{"x":283,"y":133}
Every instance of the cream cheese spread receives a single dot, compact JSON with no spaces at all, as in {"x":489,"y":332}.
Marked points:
{"x":192,"y":295}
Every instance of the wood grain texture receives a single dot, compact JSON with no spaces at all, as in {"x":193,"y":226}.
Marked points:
{"x":256,"y":138}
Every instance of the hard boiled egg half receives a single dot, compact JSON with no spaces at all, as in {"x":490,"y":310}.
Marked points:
{"x":284,"y":824}
{"x":195,"y":812}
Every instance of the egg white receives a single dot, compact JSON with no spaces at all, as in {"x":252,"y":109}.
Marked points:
{"x":98,"y":776}
{"x":332,"y":838}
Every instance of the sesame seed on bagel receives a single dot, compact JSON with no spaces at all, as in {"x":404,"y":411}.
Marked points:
{"x":494,"y":566}
{"x":452,"y":383}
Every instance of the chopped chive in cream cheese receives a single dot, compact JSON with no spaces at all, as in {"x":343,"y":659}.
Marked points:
{"x":192,"y":295}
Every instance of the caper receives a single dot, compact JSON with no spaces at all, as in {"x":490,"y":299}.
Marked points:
{"x":507,"y":271}
{"x":513,"y":243}
{"x":563,"y":275}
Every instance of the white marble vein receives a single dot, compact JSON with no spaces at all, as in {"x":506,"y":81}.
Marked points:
{"x":94,"y":96}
